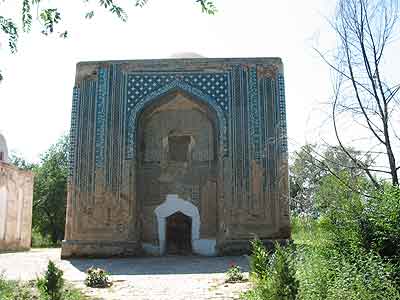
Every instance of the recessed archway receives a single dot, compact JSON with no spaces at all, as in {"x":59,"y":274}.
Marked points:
{"x":177,"y":154}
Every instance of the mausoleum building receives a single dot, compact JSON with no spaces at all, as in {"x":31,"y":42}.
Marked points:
{"x":177,"y":156}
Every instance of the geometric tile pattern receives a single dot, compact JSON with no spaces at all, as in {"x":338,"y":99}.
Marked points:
{"x":282,"y":114}
{"x":73,"y":131}
{"x":102,"y":91}
{"x":250,"y":112}
{"x":254,"y":112}
{"x":137,"y":105}
{"x":215,"y":85}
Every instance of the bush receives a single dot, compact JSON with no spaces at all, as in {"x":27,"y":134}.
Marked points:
{"x":6,"y":288}
{"x":364,"y":276}
{"x":14,"y":290}
{"x":35,"y":290}
{"x":382,"y":223}
{"x":314,"y":272}
{"x":308,"y":231}
{"x":40,"y":241}
{"x":274,"y":274}
{"x":259,"y":259}
{"x":355,"y":223}
{"x":97,"y":278}
{"x":234,"y":274}
{"x":51,"y":285}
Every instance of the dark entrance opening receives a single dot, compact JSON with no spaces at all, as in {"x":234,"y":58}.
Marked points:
{"x":179,"y":234}
{"x":179,"y":147}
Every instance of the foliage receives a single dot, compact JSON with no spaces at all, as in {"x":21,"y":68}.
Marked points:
{"x":259,"y":259}
{"x":363,"y":276}
{"x":365,"y":98}
{"x":207,"y":6}
{"x":356,"y":222}
{"x":309,"y":232}
{"x":42,"y":241}
{"x":383,"y":223}
{"x":9,"y":27}
{"x":310,"y":165}
{"x":319,"y":270}
{"x":14,"y":290}
{"x":51,"y":285}
{"x":6,"y":288}
{"x":97,"y":278}
{"x":50,"y":191}
{"x":234,"y":274}
{"x":351,"y":251}
{"x":20,"y":162}
{"x":49,"y":17}
{"x":277,"y":280}
{"x":326,"y":274}
{"x":305,"y":174}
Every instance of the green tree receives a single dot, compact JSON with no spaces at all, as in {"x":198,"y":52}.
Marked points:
{"x":50,"y":191}
{"x":51,"y":285}
{"x":20,"y":162}
{"x":311,"y":164}
{"x":305,"y":173}
{"x":365,"y":103}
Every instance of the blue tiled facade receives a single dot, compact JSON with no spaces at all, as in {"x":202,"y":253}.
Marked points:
{"x":246,"y":95}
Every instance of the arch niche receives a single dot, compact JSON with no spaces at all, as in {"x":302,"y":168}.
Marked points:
{"x":178,"y":156}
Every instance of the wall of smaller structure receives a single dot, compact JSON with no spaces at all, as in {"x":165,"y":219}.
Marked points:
{"x":16,"y":191}
{"x":3,"y":149}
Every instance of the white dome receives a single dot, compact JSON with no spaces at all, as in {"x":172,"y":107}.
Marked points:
{"x":186,"y":55}
{"x":3,"y":149}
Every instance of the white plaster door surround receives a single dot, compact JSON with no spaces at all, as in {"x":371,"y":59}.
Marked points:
{"x":172,"y":205}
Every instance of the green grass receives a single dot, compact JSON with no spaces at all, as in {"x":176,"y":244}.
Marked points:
{"x":15,"y":290}
{"x":309,"y":232}
{"x":40,"y":241}
{"x":324,"y":272}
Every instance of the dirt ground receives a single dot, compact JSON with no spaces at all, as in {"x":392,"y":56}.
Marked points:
{"x":169,"y":277}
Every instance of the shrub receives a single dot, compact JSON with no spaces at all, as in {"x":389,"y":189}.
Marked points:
{"x":40,"y":241}
{"x":382,"y":223}
{"x":97,"y":278}
{"x":355,"y":223}
{"x":234,"y":274}
{"x":23,"y":292}
{"x":259,"y":259}
{"x":314,"y":272}
{"x":308,"y":231}
{"x":275,"y":274}
{"x":51,"y":285}
{"x":364,"y":276}
{"x":6,"y":288}
{"x":284,"y":274}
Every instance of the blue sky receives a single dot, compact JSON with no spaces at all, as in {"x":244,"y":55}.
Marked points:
{"x":35,"y":97}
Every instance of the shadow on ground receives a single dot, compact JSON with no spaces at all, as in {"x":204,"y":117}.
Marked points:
{"x":162,"y":265}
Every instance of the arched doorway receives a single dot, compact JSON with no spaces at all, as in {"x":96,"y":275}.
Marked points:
{"x":177,"y":154}
{"x":179,"y":234}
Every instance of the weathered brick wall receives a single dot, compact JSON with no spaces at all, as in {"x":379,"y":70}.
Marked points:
{"x":245,"y":186}
{"x":16,"y":191}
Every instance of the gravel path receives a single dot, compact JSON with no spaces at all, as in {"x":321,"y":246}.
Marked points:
{"x":170,"y":277}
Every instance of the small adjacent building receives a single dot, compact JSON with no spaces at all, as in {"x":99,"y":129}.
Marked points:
{"x":183,"y":155}
{"x":16,"y":192}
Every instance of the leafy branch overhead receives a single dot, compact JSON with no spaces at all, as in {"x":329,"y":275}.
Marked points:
{"x":49,"y":17}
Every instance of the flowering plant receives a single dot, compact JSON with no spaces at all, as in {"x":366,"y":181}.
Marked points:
{"x":97,"y":278}
{"x":234,"y":273}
